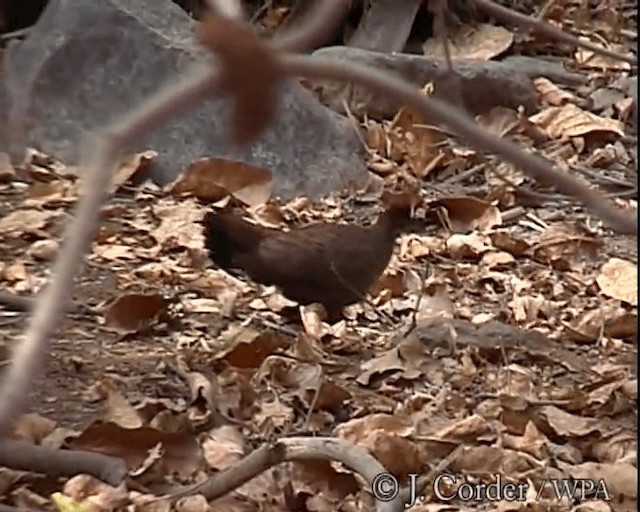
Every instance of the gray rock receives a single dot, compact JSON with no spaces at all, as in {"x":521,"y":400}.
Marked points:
{"x":85,"y":63}
{"x":474,"y":85}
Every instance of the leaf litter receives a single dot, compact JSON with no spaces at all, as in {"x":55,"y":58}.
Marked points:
{"x":513,"y":333}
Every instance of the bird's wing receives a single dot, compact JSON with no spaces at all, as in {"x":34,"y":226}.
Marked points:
{"x":316,"y":254}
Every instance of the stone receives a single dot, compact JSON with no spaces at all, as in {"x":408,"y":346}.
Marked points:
{"x":84,"y":64}
{"x":476,"y":82}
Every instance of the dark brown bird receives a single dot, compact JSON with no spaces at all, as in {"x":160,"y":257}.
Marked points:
{"x":333,"y":264}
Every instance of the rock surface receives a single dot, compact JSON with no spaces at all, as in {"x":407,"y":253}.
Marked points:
{"x":477,"y":84}
{"x":86,"y":63}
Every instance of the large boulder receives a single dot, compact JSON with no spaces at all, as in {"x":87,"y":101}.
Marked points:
{"x":84,"y":64}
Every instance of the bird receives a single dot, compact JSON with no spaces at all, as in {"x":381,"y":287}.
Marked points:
{"x":327,"y":263}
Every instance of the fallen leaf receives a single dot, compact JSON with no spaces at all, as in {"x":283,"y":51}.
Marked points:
{"x":618,"y":279}
{"x":572,"y":121}
{"x":181,"y":452}
{"x":483,"y":41}
{"x":211,"y":179}
{"x":134,"y":312}
{"x":468,"y":213}
{"x":131,"y":165}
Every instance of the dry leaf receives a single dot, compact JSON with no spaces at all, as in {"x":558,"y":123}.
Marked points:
{"x":551,"y":93}
{"x":482,"y":42}
{"x":619,"y":279}
{"x":131,"y":165}
{"x":135,"y":312}
{"x":468,"y":213}
{"x":211,"y":179}
{"x":572,"y":121}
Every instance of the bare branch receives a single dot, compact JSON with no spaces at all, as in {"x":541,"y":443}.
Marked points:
{"x":57,"y":462}
{"x":290,"y":449}
{"x":460,"y":123}
{"x":522,"y":20}
{"x":317,"y":28}
{"x":30,"y":352}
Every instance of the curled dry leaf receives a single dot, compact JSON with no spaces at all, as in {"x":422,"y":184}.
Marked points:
{"x":571,"y":121}
{"x":590,"y":59}
{"x":275,"y":414}
{"x":497,"y":260}
{"x":391,"y":361}
{"x":15,"y":272}
{"x":467,"y":429}
{"x":118,"y":410}
{"x":112,"y":252}
{"x":211,"y":179}
{"x":249,"y":348}
{"x":551,"y":93}
{"x":223,"y":447}
{"x":620,"y":479}
{"x":55,"y":192}
{"x":250,"y":72}
{"x":385,"y":436}
{"x":131,"y":165}
{"x":482,"y":42}
{"x":419,"y":145}
{"x":618,"y":279}
{"x":467,"y":246}
{"x":468,"y":213}
{"x":313,"y":316}
{"x":486,"y":461}
{"x":532,"y":441}
{"x":135,"y":312}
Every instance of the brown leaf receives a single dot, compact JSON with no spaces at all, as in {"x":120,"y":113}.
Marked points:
{"x":211,"y":179}
{"x":135,"y":312}
{"x":483,"y":41}
{"x":131,"y":165}
{"x":571,"y":121}
{"x":180,"y":451}
{"x":118,"y":409}
{"x":223,"y":447}
{"x":385,"y":436}
{"x":619,"y":279}
{"x":250,"y":347}
{"x":551,"y":93}
{"x":468,"y":213}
